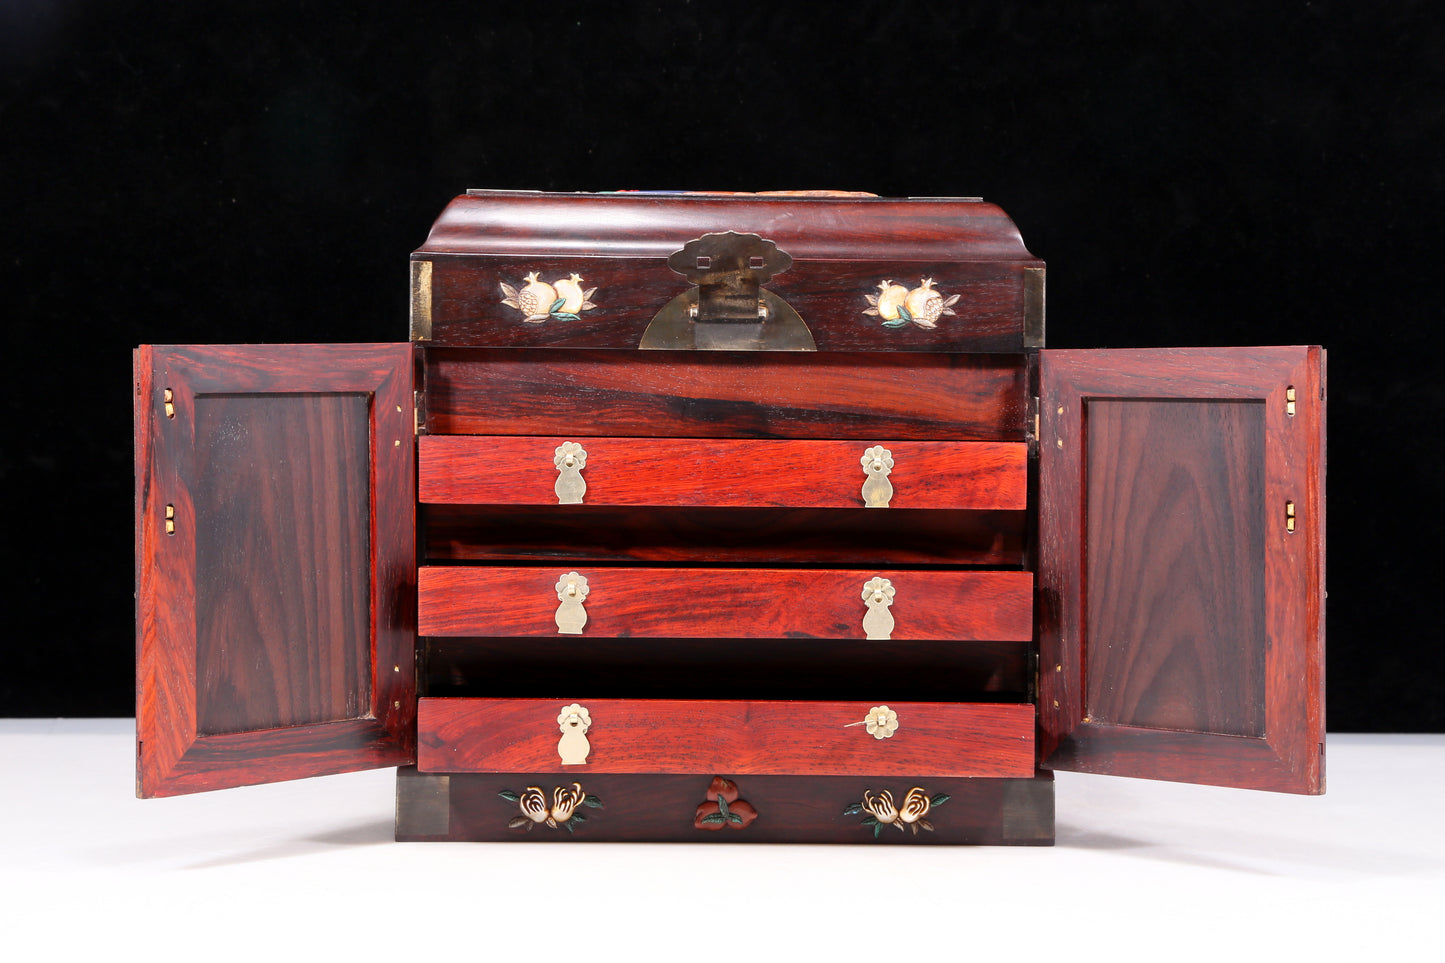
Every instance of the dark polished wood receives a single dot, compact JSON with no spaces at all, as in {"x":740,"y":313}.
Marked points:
{"x":830,"y":296}
{"x":274,"y":629}
{"x":791,"y":809}
{"x":734,"y":737}
{"x":723,"y":473}
{"x":273,"y":459}
{"x":724,"y":603}
{"x":703,"y":394}
{"x":826,"y":537}
{"x":1181,"y":623}
{"x":528,"y":223}
{"x":1172,"y":560}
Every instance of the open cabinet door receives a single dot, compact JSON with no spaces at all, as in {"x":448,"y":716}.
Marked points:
{"x":275,"y":563}
{"x":1181,"y":565}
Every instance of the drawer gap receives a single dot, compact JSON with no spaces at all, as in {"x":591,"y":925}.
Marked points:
{"x":728,"y":668}
{"x":777,"y":537}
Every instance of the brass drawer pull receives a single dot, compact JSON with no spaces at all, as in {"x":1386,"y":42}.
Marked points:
{"x":878,"y":593}
{"x":574,"y":721}
{"x":570,"y":459}
{"x":571,"y":592}
{"x":882,"y":722}
{"x":877,"y":490}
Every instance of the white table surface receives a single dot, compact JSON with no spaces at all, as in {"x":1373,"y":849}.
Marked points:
{"x":309,"y":870}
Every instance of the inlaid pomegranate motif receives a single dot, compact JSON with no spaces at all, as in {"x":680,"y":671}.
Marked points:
{"x":539,"y":301}
{"x":898,"y":306}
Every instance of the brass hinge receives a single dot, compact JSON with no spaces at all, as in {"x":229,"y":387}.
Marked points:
{"x":419,"y":416}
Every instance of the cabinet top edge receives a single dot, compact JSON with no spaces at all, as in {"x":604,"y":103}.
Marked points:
{"x":653,"y":225}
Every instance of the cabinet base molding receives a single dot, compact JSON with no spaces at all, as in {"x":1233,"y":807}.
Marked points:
{"x":497,"y":807}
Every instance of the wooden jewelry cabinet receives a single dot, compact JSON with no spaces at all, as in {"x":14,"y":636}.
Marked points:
{"x":728,"y":518}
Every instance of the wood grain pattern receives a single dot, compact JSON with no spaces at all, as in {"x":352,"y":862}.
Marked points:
{"x":1174,"y":646}
{"x":674,"y":736}
{"x":792,"y":809}
{"x":830,"y":297}
{"x":725,"y":473}
{"x":528,"y":223}
{"x":208,"y":598}
{"x":724,"y":603}
{"x":1172,"y":552}
{"x":725,"y":394}
{"x":823,"y":537}
{"x":267,"y":463}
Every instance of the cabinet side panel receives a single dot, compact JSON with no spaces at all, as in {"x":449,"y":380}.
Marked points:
{"x":282,"y":565}
{"x":1174,"y":553}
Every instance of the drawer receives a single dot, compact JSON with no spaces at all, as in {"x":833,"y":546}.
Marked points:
{"x":727,"y":603}
{"x":724,"y":473}
{"x":725,"y":737}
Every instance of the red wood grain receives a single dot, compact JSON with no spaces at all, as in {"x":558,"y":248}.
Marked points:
{"x":725,"y":603}
{"x":720,"y":394}
{"x":1157,"y":717}
{"x":727,"y":473}
{"x":261,"y":726}
{"x":738,"y":738}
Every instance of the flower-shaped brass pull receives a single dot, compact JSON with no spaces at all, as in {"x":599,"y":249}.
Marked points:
{"x":878,"y":594}
{"x":570,"y":459}
{"x":574,"y":721}
{"x":571,"y":592}
{"x":877,"y":490}
{"x":881,"y":723}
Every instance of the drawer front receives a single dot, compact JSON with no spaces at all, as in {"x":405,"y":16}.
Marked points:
{"x":731,"y":603}
{"x":725,"y":473}
{"x":734,"y":737}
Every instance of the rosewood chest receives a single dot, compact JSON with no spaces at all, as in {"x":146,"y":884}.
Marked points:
{"x":728,"y":517}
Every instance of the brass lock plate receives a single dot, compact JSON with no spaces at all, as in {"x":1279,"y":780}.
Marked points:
{"x":728,"y":309}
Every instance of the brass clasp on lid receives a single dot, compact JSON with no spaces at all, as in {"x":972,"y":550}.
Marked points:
{"x":728,"y":309}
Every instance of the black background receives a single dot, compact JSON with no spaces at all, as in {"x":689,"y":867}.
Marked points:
{"x":1194,"y":174}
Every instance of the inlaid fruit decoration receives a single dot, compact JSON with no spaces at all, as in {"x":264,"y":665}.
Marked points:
{"x":899,"y":306}
{"x":562,"y":812}
{"x":539,"y":301}
{"x":723,"y":809}
{"x":912,"y":814}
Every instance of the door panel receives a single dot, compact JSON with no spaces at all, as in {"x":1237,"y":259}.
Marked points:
{"x":1181,"y":565}
{"x":274,"y":547}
